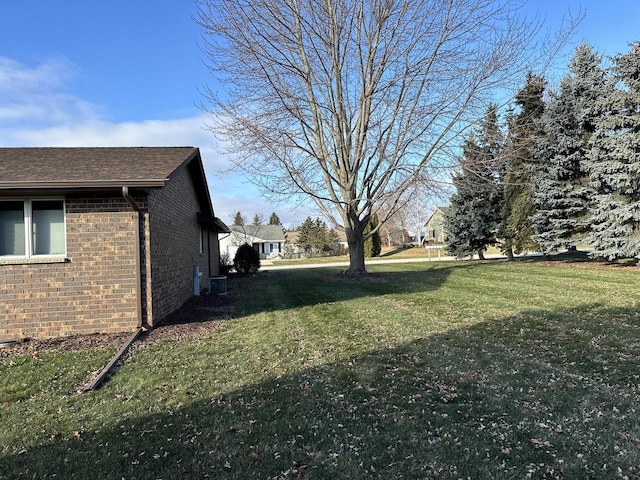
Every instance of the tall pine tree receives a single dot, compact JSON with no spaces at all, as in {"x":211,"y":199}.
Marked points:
{"x":473,"y":217}
{"x":525,"y":129}
{"x":274,"y":219}
{"x":257,"y":220}
{"x":314,"y":236}
{"x":562,"y":194}
{"x":614,"y":163}
{"x":238,"y":219}
{"x":306,"y":232}
{"x":373,"y":244}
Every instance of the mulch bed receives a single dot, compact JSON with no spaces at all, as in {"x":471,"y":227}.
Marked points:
{"x":198,"y":317}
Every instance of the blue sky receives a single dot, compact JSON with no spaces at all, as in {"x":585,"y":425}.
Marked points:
{"x":130,"y":73}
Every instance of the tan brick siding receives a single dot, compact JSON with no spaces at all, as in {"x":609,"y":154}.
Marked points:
{"x":96,"y":288}
{"x":174,"y":245}
{"x":93,"y":291}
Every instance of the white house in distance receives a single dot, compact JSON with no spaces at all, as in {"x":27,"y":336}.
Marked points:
{"x":434,"y":227}
{"x":268,"y":240}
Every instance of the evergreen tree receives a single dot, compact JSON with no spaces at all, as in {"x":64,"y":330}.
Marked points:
{"x":318,"y":240}
{"x":524,"y":131}
{"x":333,"y":241}
{"x":562,"y":194}
{"x":373,"y":244}
{"x":257,"y":220}
{"x":274,"y":219}
{"x":314,"y":236}
{"x":614,"y":163}
{"x":247,"y":259}
{"x":473,"y":218}
{"x":238,"y":219}
{"x":305,"y":234}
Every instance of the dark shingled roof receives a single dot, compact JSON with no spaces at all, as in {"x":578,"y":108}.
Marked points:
{"x":34,"y":170}
{"x":90,"y":167}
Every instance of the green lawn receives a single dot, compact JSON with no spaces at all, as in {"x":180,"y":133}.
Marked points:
{"x":387,"y":253}
{"x":425,"y":370}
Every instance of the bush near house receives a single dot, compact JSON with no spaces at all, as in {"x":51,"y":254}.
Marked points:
{"x":247,"y":259}
{"x":226,"y":265}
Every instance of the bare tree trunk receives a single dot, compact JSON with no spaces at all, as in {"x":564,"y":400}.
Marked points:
{"x":354,"y":230}
{"x":509,"y":254}
{"x":481,"y":255}
{"x":356,"y":253}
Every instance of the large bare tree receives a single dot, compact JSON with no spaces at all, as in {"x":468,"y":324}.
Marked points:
{"x":350,"y":101}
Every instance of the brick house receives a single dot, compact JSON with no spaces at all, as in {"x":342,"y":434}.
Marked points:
{"x":101,"y":239}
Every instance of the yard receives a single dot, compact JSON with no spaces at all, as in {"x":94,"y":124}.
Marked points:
{"x":422,"y":370}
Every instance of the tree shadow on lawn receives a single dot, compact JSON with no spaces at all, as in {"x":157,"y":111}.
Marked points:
{"x":284,"y":289}
{"x":538,"y":395}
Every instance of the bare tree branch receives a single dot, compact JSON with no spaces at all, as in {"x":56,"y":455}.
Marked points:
{"x":349,"y":101}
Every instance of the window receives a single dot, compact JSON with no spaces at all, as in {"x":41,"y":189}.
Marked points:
{"x":12,"y":238}
{"x":32,"y":227}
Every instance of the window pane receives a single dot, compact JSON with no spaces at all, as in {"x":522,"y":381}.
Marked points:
{"x":48,"y":227}
{"x":12,"y":228}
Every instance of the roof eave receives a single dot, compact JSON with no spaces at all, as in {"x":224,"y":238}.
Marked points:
{"x":65,"y":185}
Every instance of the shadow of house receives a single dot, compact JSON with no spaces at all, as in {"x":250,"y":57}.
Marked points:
{"x":465,"y":403}
{"x":101,"y":239}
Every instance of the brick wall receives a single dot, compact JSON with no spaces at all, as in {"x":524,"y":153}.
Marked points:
{"x":94,"y":290}
{"x":174,"y":245}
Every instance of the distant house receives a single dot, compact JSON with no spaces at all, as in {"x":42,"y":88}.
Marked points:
{"x":268,"y":240}
{"x":294,"y":250}
{"x":291,"y":247}
{"x":101,"y":239}
{"x":434,"y":227}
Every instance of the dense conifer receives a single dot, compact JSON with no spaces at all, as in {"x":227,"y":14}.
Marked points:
{"x":473,"y":218}
{"x":525,"y":129}
{"x":316,"y":237}
{"x":238,"y":219}
{"x":274,"y":219}
{"x":373,"y":244}
{"x":562,"y":193}
{"x":614,"y":163}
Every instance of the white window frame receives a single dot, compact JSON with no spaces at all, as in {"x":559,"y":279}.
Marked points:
{"x":28,"y":228}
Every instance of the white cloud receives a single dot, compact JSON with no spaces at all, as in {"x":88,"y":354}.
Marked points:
{"x":19,"y":78}
{"x":36,"y":112}
{"x":35,"y":95}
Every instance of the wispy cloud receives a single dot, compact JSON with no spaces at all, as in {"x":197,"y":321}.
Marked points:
{"x":36,"y":96}
{"x":49,"y":75}
{"x":36,"y":111}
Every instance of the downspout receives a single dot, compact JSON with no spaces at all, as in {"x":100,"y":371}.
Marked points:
{"x":209,"y":251}
{"x":142,"y":326}
{"x":136,"y":208}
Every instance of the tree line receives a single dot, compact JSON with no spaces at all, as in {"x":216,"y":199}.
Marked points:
{"x":240,"y":220}
{"x":563,"y":172}
{"x":316,"y":237}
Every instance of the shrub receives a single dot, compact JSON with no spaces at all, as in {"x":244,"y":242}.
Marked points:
{"x":247,"y":259}
{"x":225,"y":264}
